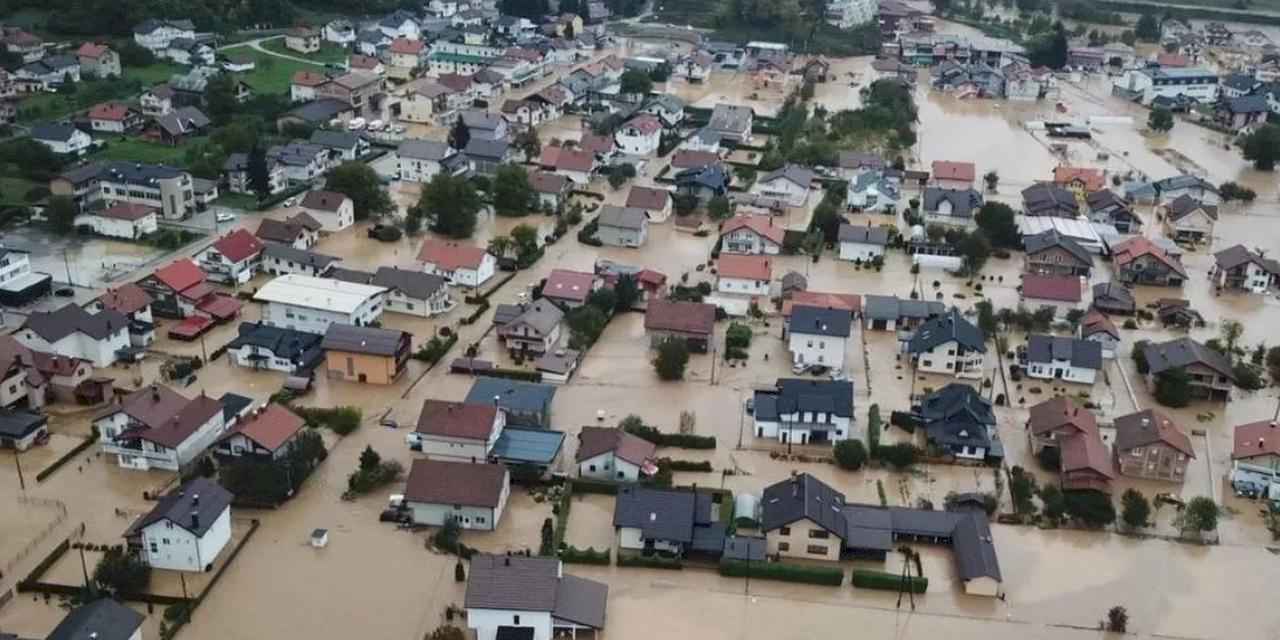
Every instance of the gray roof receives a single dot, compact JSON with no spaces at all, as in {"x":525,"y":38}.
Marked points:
{"x":489,"y":149}
{"x":477,"y":119}
{"x":103,"y":619}
{"x":581,"y":601}
{"x":622,"y":217}
{"x":53,"y":326}
{"x":1185,"y":181}
{"x":541,"y":316}
{"x":527,"y":446}
{"x":964,"y":202}
{"x":423,"y":150}
{"x":794,"y":173}
{"x":859,"y":159}
{"x":412,"y":283}
{"x":1086,"y":354}
{"x":1256,"y":103}
{"x":797,"y":394}
{"x":1184,"y":205}
{"x":876,"y":307}
{"x":1049,"y":199}
{"x":1237,"y":255}
{"x":513,"y":395}
{"x":300,"y":256}
{"x":371,"y":340}
{"x":803,"y":496}
{"x":819,"y":321}
{"x":298,"y":346}
{"x":864,"y":234}
{"x":319,"y":111}
{"x":518,"y":583}
{"x":661,"y":514}
{"x":201,"y":497}
{"x":1179,"y":353}
{"x":17,"y":424}
{"x":350,"y":275}
{"x":744,"y":548}
{"x":52,"y":131}
{"x":1113,"y":295}
{"x":335,"y":139}
{"x":957,"y":415}
{"x":1051,"y":238}
{"x":947,"y":328}
{"x":731,"y":118}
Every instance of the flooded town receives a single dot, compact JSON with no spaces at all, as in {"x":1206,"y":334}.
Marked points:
{"x":532,"y":320}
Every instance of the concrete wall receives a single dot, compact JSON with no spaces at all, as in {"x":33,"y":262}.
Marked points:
{"x":342,"y":365}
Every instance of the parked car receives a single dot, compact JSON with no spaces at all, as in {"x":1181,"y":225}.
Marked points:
{"x":224,"y":216}
{"x":385,"y":232}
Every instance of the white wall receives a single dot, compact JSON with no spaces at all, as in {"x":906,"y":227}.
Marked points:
{"x":807,"y":348}
{"x":415,"y":170}
{"x":794,"y":194}
{"x":743,"y":287}
{"x":746,"y":241}
{"x":102,"y":353}
{"x":338,"y":220}
{"x":609,"y":467}
{"x":1046,"y":370}
{"x":167,"y":546}
{"x":240,"y":357}
{"x":943,"y":358}
{"x":466,"y":277}
{"x":486,"y":622}
{"x":318,"y":320}
{"x":453,"y":449}
{"x":860,"y":251}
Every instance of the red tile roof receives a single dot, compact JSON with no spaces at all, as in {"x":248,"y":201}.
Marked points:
{"x":1061,"y":413}
{"x":357,"y":61}
{"x":309,"y":78}
{"x":947,"y":170}
{"x":449,"y":255}
{"x":648,"y":198}
{"x":593,"y":441}
{"x":271,"y":426}
{"x":455,"y":483}
{"x":762,"y":225}
{"x":850,"y":302}
{"x":127,"y":298}
{"x":544,"y":182}
{"x":647,"y":124}
{"x":596,"y":144}
{"x":684,"y":317}
{"x":454,"y":81}
{"x":1092,"y":179}
{"x":1061,"y":288}
{"x":126,"y":211}
{"x":457,"y":419}
{"x":92,"y":50}
{"x":1172,"y":60}
{"x":113,"y":111}
{"x":686,"y":159}
{"x":180,"y":275}
{"x":744,"y":267}
{"x":1096,"y":322}
{"x":1126,"y":252}
{"x":323,"y":200}
{"x":1259,"y":438}
{"x":563,"y":284}
{"x":406,"y":46}
{"x":575,"y":160}
{"x":238,"y":246}
{"x":1085,"y":463}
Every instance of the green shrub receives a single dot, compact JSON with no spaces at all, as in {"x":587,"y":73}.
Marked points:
{"x":686,"y":465}
{"x":681,"y":440}
{"x":850,"y":454}
{"x":650,"y":562}
{"x":604,"y":487}
{"x":574,"y":555}
{"x":341,"y":420}
{"x":870,"y":579}
{"x":475,"y":315}
{"x":513,"y":374}
{"x":435,"y":348}
{"x":830,"y":576}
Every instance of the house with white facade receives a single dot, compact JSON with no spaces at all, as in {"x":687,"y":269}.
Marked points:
{"x":640,"y":135}
{"x":156,"y":427}
{"x":260,"y":346}
{"x":612,"y":454}
{"x":282,"y":259}
{"x":413,"y":292}
{"x":1189,"y":220}
{"x":126,"y":220}
{"x":751,"y":235}
{"x":156,"y":34}
{"x":550,"y":604}
{"x":312,"y":304}
{"x":236,"y":172}
{"x":862,"y":243}
{"x":805,"y":411}
{"x":62,"y":139}
{"x":818,"y":336}
{"x":340,"y":32}
{"x":334,"y":211}
{"x":845,"y":14}
{"x":186,"y":530}
{"x":472,"y":495}
{"x":233,"y":258}
{"x":457,"y":431}
{"x":75,"y":333}
{"x":790,"y":183}
{"x":265,"y":433}
{"x":421,"y":160}
{"x":949,"y":344}
{"x":1238,"y":268}
{"x":744,"y":275}
{"x":1099,"y":328}
{"x":955,"y":207}
{"x":1149,"y":83}
{"x":873,"y":191}
{"x":463,"y":265}
{"x":1063,"y":358}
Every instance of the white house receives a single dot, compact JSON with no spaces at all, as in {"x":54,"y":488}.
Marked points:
{"x":790,"y":183}
{"x":266,"y":433}
{"x":640,"y":135}
{"x":340,"y":32}
{"x":1149,"y":83}
{"x":613,"y":454}
{"x":312,"y":304}
{"x":334,"y":211}
{"x":156,"y":427}
{"x":282,"y":259}
{"x":1063,"y":358}
{"x":125,"y":220}
{"x":457,"y":431}
{"x":473,"y":495}
{"x":156,"y":34}
{"x":233,"y":258}
{"x":186,"y":530}
{"x":818,"y":336}
{"x":75,"y":333}
{"x":1189,"y":220}
{"x":421,"y":160}
{"x":463,"y":265}
{"x":409,"y":291}
{"x":62,"y":139}
{"x":260,"y":346}
{"x":805,"y":411}
{"x":950,"y":345}
{"x":565,"y":606}
{"x":861,"y":242}
{"x":1237,"y":267}
{"x":302,"y":88}
{"x":751,"y":235}
{"x":744,"y":275}
{"x":1097,"y":327}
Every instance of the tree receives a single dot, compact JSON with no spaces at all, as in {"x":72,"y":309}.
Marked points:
{"x":451,"y":203}
{"x":1022,"y":490}
{"x":360,"y":182}
{"x":1262,"y":147}
{"x":1139,"y":355}
{"x":1050,"y":49}
{"x":901,"y":455}
{"x":369,"y":459}
{"x":1160,"y":120}
{"x":673,"y":357}
{"x":528,"y":142}
{"x":525,"y":238}
{"x":975,"y":248}
{"x":997,"y":221}
{"x":547,"y":547}
{"x":512,"y":195}
{"x":635,"y":81}
{"x":1231,"y":330}
{"x":1200,"y":515}
{"x":873,"y":430}
{"x":1173,"y":388}
{"x":1236,"y":191}
{"x":1055,"y":504}
{"x":586,"y":323}
{"x":1135,"y":510}
{"x":941,"y":7}
{"x":133,"y":54}
{"x":236,"y":137}
{"x":719,"y":208}
{"x":1091,"y":508}
{"x":118,"y":572}
{"x":626,"y":293}
{"x":459,"y":575}
{"x":660,"y":72}
{"x":992,"y":179}
{"x":220,"y":98}
{"x":459,"y":135}
{"x":258,"y":172}
{"x":850,"y":454}
{"x":1147,"y":29}
{"x":500,"y":246}
{"x":61,"y":213}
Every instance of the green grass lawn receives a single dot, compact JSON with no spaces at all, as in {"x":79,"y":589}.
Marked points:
{"x":271,"y":74}
{"x":152,"y":74}
{"x":13,"y":189}
{"x":237,"y":201}
{"x":139,"y":150}
{"x":328,"y":53}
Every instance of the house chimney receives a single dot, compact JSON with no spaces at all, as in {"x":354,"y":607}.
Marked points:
{"x":195,"y":499}
{"x":1261,"y":442}
{"x":506,"y":561}
{"x":195,"y":519}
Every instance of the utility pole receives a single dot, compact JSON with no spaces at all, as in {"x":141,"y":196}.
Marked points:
{"x":66,"y":263}
{"x":22,"y":482}
{"x":84,"y":568}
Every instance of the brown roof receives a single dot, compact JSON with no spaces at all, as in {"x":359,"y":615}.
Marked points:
{"x":451,"y":255}
{"x":168,"y":419}
{"x":685,"y":317}
{"x":126,"y":298}
{"x":1063,"y":288}
{"x":1256,"y":439}
{"x":126,"y":211}
{"x":1095,"y":322}
{"x":544,"y":182}
{"x":305,"y":221}
{"x":406,"y":46}
{"x":1093,"y":179}
{"x":593,"y":441}
{"x":358,"y":61}
{"x":1085,"y":452}
{"x":460,"y":483}
{"x":648,"y":198}
{"x":574,"y":160}
{"x":1061,"y":413}
{"x":92,"y":50}
{"x":850,"y":302}
{"x":947,"y":170}
{"x":109,"y":111}
{"x":564,"y":284}
{"x":151,"y":405}
{"x":457,"y":419}
{"x":454,"y":81}
{"x":686,"y":159}
{"x":595,"y":144}
{"x":271,"y":426}
{"x":744,"y":267}
{"x":323,"y":200}
{"x":309,"y":78}
{"x":762,"y":225}
{"x":1126,"y":252}
{"x":1150,"y":427}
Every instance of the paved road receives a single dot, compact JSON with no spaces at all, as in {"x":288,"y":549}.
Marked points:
{"x":256,"y":45}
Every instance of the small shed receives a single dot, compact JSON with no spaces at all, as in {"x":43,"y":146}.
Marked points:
{"x":320,"y":538}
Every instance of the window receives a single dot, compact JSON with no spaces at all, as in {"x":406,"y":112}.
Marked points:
{"x":591,"y":467}
{"x":165,"y":540}
{"x":785,"y":531}
{"x":816,"y":549}
{"x":784,"y":546}
{"x":479,"y":519}
{"x":515,"y":620}
{"x":154,"y":548}
{"x":818,"y":534}
{"x":457,"y":507}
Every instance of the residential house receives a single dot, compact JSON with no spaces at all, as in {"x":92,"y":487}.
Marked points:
{"x":233,"y":258}
{"x":186,"y":530}
{"x":553,"y":190}
{"x":472,"y":495}
{"x":190,"y":52}
{"x":405,"y":56}
{"x":133,"y":302}
{"x":703,"y":183}
{"x":462,"y":265}
{"x":1054,"y":421}
{"x":862,"y":243}
{"x":1054,"y":254}
{"x":19,"y":285}
{"x":304,"y":40}
{"x":850,"y":164}
{"x":1237,"y":267}
{"x":751,"y":235}
{"x":236,"y":174}
{"x":360,"y":90}
{"x":179,"y":290}
{"x":955,"y":207}
{"x":340,"y":32}
{"x":805,"y":411}
{"x":155,"y":34}
{"x":1063,"y":294}
{"x":1241,"y":114}
{"x":1189,"y":220}
{"x":126,"y":221}
{"x":343,"y":146}
{"x":732,"y":122}
{"x":873,"y":190}
{"x":1098,"y":328}
{"x":303,"y":86}
{"x":622,"y":226}
{"x":19,"y":430}
{"x":949,"y":344}
{"x":261,"y":346}
{"x":575,"y":164}
{"x":49,"y":72}
{"x":62,"y":139}
{"x":156,"y":427}
{"x":165,"y":188}
{"x":98,"y":60}
{"x":675,"y":522}
{"x":239,"y":63}
{"x":790,"y":183}
{"x":1139,"y":261}
{"x":179,"y":124}
{"x":334,"y":211}
{"x":640,"y":135}
{"x":400,"y":24}
{"x":569,"y":289}
{"x":1210,"y":373}
{"x":485,"y":156}
{"x":668,"y":108}
{"x":744,"y":275}
{"x":73,"y":332}
{"x":1079,"y":180}
{"x":691,"y":159}
{"x":316,"y":113}
{"x":1085,"y":464}
{"x":960,"y":422}
{"x":302,"y":161}
{"x":366,"y":64}
{"x":367,"y":355}
{"x":889,"y":313}
{"x":1106,"y":207}
{"x":1063,"y":358}
{"x":457,"y":431}
{"x":551,"y":604}
{"x":103,"y":619}
{"x":606,"y":453}
{"x":802,"y":517}
{"x":1198,"y":188}
{"x":1045,"y":199}
{"x":113,"y":117}
{"x":692,"y":321}
{"x":527,"y":404}
{"x":313,"y":304}
{"x":412,"y":292}
{"x":1257,"y":444}
{"x":534,"y":331}
{"x":157,"y":100}
{"x":281,"y":259}
{"x":1148,"y":84}
{"x":818,"y":336}
{"x":1149,"y":445}
{"x":267,"y":433}
{"x":953,"y":175}
{"x":27,"y":46}
{"x":421,"y":160}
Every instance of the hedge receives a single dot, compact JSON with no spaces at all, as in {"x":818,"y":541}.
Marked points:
{"x":475,"y":315}
{"x":650,"y":562}
{"x":512,"y":374}
{"x":682,"y":440}
{"x":686,"y":465}
{"x":57,"y":464}
{"x":603,"y":487}
{"x":574,"y":555}
{"x":870,"y":579}
{"x":830,"y":576}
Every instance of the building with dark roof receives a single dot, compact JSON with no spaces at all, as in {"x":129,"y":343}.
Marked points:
{"x":458,"y":431}
{"x":1113,"y":298}
{"x":1240,"y":268}
{"x":951,"y":206}
{"x":1210,"y":373}
{"x":71,"y":331}
{"x":670,"y":521}
{"x":508,"y":594}
{"x":19,"y":429}
{"x":960,"y":422}
{"x":1151,"y":445}
{"x":692,"y":321}
{"x":187,"y":528}
{"x":261,"y":346}
{"x":369,"y":355}
{"x":805,"y":411}
{"x":608,"y":453}
{"x":474,"y":495}
{"x":1053,"y":254}
{"x":818,"y":335}
{"x":102,"y":619}
{"x":526,"y":403}
{"x":949,"y":344}
{"x":1063,"y":358}
{"x":1048,"y":199}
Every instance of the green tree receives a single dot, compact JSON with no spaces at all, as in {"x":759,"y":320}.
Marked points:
{"x":369,"y":459}
{"x":236,"y":137}
{"x":1092,"y":508}
{"x":719,"y":208}
{"x":1055,"y":504}
{"x":500,"y":246}
{"x":1022,"y":490}
{"x":635,"y":81}
{"x":660,"y":72}
{"x":526,"y":241}
{"x":1139,"y":355}
{"x":360,"y":182}
{"x":451,"y":203}
{"x":1135,"y":510}
{"x":1200,"y":515}
{"x":997,"y":221}
{"x":850,"y":454}
{"x":1160,"y":120}
{"x":512,"y":195}
{"x":585,"y":323}
{"x":1147,"y":29}
{"x":259,"y":173}
{"x":673,"y":357}
{"x":61,"y":213}
{"x":975,"y":248}
{"x":1118,"y":618}
{"x":118,"y":572}
{"x":220,"y":98}
{"x":902,"y":455}
{"x":873,"y":430}
{"x":459,"y":135}
{"x":1173,"y":388}
{"x":604,"y":299}
{"x":1231,"y":330}
{"x":626,"y":293}
{"x":1262,"y":147}
{"x":1050,"y":49}
{"x":528,"y":142}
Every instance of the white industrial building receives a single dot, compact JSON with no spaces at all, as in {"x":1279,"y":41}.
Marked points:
{"x":312,"y":304}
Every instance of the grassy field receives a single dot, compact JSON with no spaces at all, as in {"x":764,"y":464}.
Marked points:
{"x":14,"y":188}
{"x":139,"y":150}
{"x":271,"y":74}
{"x":152,"y":74}
{"x":237,"y":201}
{"x":328,"y":53}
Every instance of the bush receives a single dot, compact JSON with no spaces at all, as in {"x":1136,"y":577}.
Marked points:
{"x":513,"y":374}
{"x":435,"y":348}
{"x":869,"y":579}
{"x":901,"y":455}
{"x":587,"y":485}
{"x":673,"y":356}
{"x":650,"y":562}
{"x":363,"y":481}
{"x":686,"y":465}
{"x":585,"y":556}
{"x":850,"y":454}
{"x":783,"y":572}
{"x":1091,"y":508}
{"x":475,"y":315}
{"x":1050,"y":458}
{"x":681,"y":440}
{"x":118,"y":572}
{"x":737,"y":336}
{"x":341,"y":420}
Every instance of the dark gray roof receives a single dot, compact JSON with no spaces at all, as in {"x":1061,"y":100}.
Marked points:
{"x":956,"y":415}
{"x":819,"y":321}
{"x":802,"y":176}
{"x":859,"y":160}
{"x":319,"y":111}
{"x":947,"y":328}
{"x":371,"y":340}
{"x":201,"y":497}
{"x":299,"y":346}
{"x":864,"y":234}
{"x":103,"y":619}
{"x":335,"y":139}
{"x":52,"y":131}
{"x":53,"y":326}
{"x":513,"y":395}
{"x":744,"y":548}
{"x":876,"y":307}
{"x":18,"y":424}
{"x":1086,"y":354}
{"x":413,"y":284}
{"x":731,"y":118}
{"x":299,"y":256}
{"x":581,"y":601}
{"x":527,"y":446}
{"x":488,"y":149}
{"x":622,"y":217}
{"x":1051,"y":238}
{"x":233,"y":404}
{"x":800,"y":394}
{"x":1047,"y":199}
{"x":660,"y":514}
{"x":518,"y":583}
{"x":1176,"y":354}
{"x":1256,"y":103}
{"x":974,"y":548}
{"x":964,"y":202}
{"x":350,"y":275}
{"x":423,"y":150}
{"x":1237,"y":255}
{"x":541,"y":316}
{"x":1113,"y":296}
{"x":183,"y":121}
{"x":1185,"y":204}
{"x":803,"y":496}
